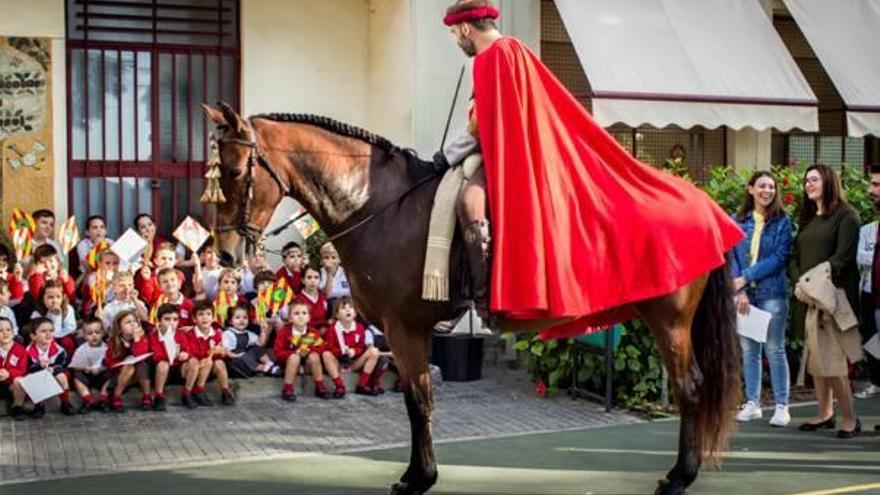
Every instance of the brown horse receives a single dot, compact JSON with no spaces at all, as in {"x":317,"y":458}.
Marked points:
{"x":368,"y":196}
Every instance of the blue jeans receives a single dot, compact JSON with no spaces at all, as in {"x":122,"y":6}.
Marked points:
{"x":775,"y":350}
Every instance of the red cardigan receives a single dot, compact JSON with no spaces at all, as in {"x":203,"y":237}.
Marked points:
{"x":355,"y":339}
{"x":136,"y":348}
{"x":284,"y":345}
{"x":36,"y":282}
{"x":200,"y":346}
{"x":15,"y":362}
{"x":157,"y":346}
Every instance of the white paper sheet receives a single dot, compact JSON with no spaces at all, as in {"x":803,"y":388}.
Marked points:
{"x":754,"y":325}
{"x":133,"y":360}
{"x":191,"y":234}
{"x":40,"y":386}
{"x":872,"y":346}
{"x":129,"y":247}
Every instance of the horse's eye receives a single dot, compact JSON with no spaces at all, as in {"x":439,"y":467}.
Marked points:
{"x":236,"y":172}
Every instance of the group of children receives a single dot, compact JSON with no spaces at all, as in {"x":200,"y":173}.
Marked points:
{"x":100,"y":329}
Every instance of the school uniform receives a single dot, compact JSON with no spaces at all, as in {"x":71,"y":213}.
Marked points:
{"x":89,"y":357}
{"x":200,"y":345}
{"x":111,"y":359}
{"x":149,"y":289}
{"x":294,"y":279}
{"x":15,"y":361}
{"x":339,"y":339}
{"x":63,"y":327}
{"x":243,"y":342}
{"x":16,"y":288}
{"x":317,"y":308}
{"x":289,"y":342}
{"x":167,"y":347}
{"x":54,"y":356}
{"x":185,"y":310}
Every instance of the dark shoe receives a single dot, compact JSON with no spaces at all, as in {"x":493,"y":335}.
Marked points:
{"x":876,"y":427}
{"x":103,"y":406}
{"x":159,"y":403}
{"x":146,"y":403}
{"x":202,"y":400}
{"x":38,"y":411}
{"x":828,"y":423}
{"x":67,"y":408}
{"x":116,"y":405}
{"x":847,"y":434}
{"x":17,"y":413}
{"x":362,"y":390}
{"x":322,"y":393}
{"x":188,"y":401}
{"x":288,"y":396}
{"x":227,"y":399}
{"x":85,"y":408}
{"x":478,"y":245}
{"x":339,"y":393}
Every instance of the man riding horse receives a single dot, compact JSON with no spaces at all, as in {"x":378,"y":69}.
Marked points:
{"x":580,"y":228}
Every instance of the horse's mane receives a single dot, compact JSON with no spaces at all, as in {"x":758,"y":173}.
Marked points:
{"x":332,"y":125}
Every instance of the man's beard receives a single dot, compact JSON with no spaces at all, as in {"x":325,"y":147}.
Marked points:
{"x":467,"y":46}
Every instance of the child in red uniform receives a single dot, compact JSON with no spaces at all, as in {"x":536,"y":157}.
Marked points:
{"x":44,"y":353}
{"x":147,"y":279}
{"x":11,"y":273}
{"x":54,"y":306}
{"x":167,"y":345}
{"x":127,"y":339}
{"x":227,"y":297}
{"x":297,"y":342}
{"x":292,"y":255}
{"x":87,"y":366}
{"x":170,"y":283}
{"x":13,"y":366}
{"x":47,"y":266}
{"x":204,"y":342}
{"x":347,"y":343}
{"x":314,"y":298}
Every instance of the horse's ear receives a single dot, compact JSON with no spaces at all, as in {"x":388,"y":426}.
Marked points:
{"x":214,"y":114}
{"x":232,"y":117}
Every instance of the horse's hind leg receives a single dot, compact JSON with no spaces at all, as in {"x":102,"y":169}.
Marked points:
{"x":411,"y":354}
{"x":670,"y":319}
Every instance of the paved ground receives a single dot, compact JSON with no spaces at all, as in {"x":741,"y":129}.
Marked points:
{"x":619,"y":459}
{"x":261,"y":426}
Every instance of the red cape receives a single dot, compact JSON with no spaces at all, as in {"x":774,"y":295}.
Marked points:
{"x":580,"y":227}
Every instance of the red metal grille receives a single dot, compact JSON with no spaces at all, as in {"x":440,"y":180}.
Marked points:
{"x":137,"y":72}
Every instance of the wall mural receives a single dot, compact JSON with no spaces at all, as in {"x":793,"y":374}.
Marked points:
{"x":25,"y":124}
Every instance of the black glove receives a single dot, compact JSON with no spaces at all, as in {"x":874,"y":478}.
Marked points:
{"x":440,"y":162}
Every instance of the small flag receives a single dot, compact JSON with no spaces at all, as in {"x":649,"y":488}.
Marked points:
{"x":264,"y":300}
{"x":93,"y":257}
{"x":222,"y":304}
{"x":68,"y":235}
{"x":21,"y":241}
{"x":99,"y":290}
{"x":281,"y":295}
{"x":307,"y":226}
{"x":22,"y":220}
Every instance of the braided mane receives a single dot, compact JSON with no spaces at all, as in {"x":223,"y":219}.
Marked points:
{"x":331,"y":125}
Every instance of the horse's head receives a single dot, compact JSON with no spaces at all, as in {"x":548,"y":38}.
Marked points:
{"x":245,"y":213}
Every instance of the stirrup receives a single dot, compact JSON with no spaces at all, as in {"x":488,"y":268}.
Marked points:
{"x":467,"y":324}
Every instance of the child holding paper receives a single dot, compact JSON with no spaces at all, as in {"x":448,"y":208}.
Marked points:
{"x":167,"y":344}
{"x":55,"y":307}
{"x":13,"y":366}
{"x":99,"y":284}
{"x":127,"y":340}
{"x":88,"y":368}
{"x":45,"y":354}
{"x":297,"y":342}
{"x":204,"y":342}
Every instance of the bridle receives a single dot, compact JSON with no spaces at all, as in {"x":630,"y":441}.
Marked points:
{"x":251,"y":232}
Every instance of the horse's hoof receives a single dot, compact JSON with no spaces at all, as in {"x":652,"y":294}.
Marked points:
{"x":402,"y":488}
{"x":666,"y":487}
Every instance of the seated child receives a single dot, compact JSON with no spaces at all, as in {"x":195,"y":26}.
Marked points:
{"x":87,"y":366}
{"x":5,"y":310}
{"x":297,"y":342}
{"x":206,"y":278}
{"x":227,"y":295}
{"x":334,"y":283}
{"x":13,"y":366}
{"x":292,"y":256}
{"x":96,"y":231}
{"x":126,"y":299}
{"x":204,"y":343}
{"x":55,"y":306}
{"x":166,"y":344}
{"x":108,"y":265}
{"x":147,"y":279}
{"x":245,"y":350}
{"x":313,"y":298}
{"x":47,"y":266}
{"x":11,"y":273}
{"x":170,"y":283}
{"x":44,"y":353}
{"x":127,"y":339}
{"x":346,"y":343}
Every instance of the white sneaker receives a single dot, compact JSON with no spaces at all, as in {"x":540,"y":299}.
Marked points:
{"x":781,"y":417}
{"x":749,"y":411}
{"x":867,"y":392}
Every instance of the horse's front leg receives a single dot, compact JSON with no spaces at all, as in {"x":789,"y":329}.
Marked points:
{"x":411,"y":354}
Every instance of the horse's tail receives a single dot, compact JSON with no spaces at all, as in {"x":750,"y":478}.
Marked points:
{"x":717,"y":353}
